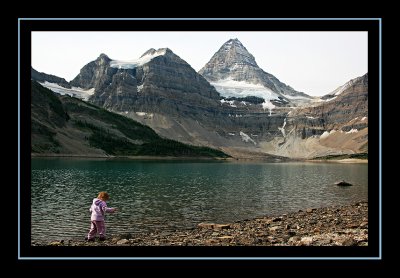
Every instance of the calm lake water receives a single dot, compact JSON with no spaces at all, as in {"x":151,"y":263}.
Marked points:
{"x":170,"y":195}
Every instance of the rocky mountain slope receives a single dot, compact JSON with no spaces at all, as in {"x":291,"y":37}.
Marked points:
{"x":65,"y":125}
{"x":336,"y":124}
{"x":157,"y":79}
{"x":161,"y":90}
{"x":245,"y":111}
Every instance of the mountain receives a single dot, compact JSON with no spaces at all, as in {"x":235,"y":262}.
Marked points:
{"x":68,"y":126}
{"x":346,"y":110}
{"x":162,"y":91}
{"x":336,"y":124}
{"x":155,"y":79}
{"x":233,"y":71}
{"x":43,"y":77}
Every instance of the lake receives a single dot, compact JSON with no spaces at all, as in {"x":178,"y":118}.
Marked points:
{"x":170,"y":195}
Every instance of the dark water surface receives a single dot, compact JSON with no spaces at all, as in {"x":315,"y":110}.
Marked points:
{"x":170,"y":195}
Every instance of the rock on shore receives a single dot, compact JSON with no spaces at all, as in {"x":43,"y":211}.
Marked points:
{"x":329,"y":226}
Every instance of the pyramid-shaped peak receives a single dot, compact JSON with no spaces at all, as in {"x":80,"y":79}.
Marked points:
{"x":230,"y":59}
{"x":233,"y":52}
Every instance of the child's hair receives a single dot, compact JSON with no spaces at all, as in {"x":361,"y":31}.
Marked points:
{"x":103,"y":196}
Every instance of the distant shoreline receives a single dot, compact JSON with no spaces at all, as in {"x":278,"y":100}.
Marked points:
{"x":346,"y":160}
{"x":130,"y":157}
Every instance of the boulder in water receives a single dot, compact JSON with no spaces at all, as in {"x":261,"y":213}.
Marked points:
{"x":343,"y":183}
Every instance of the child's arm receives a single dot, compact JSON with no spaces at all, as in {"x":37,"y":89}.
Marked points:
{"x":107,"y":209}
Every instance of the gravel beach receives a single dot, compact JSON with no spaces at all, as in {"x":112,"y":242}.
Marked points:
{"x":329,"y":226}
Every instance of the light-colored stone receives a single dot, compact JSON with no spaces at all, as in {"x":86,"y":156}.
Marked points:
{"x":122,"y":241}
{"x":225,"y":237}
{"x":307,"y":240}
{"x":221,"y":226}
{"x":293,"y":239}
{"x":273,"y":229}
{"x":206,"y":225}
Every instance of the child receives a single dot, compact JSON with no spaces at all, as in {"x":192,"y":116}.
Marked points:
{"x":98,"y":209}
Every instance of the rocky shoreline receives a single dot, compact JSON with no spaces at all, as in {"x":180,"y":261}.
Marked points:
{"x":329,"y":226}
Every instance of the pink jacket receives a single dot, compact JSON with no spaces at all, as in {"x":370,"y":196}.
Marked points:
{"x":98,"y":209}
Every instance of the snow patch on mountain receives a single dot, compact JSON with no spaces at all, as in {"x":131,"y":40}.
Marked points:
{"x":246,"y":138}
{"x":297,"y":97}
{"x":282,"y":129}
{"x":353,"y":130}
{"x":130,"y":64}
{"x":232,"y":88}
{"x":268,"y":105}
{"x":230,"y":102}
{"x":73,"y":92}
{"x":326,"y":134}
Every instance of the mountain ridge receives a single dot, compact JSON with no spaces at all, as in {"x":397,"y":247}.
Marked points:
{"x":162,"y":91}
{"x":43,"y":77}
{"x":65,"y":125}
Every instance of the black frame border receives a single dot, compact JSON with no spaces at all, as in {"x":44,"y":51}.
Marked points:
{"x":372,"y":251}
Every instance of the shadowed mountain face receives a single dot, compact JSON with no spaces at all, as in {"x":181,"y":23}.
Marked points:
{"x":157,"y":77}
{"x":69,"y":126}
{"x":96,"y":74}
{"x":245,"y":111}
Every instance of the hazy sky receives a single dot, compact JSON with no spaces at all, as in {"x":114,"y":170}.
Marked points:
{"x":312,"y":62}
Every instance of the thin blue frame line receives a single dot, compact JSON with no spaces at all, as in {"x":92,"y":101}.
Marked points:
{"x":221,"y":19}
{"x":202,"y":258}
{"x":380,"y":138}
{"x":19,"y":152}
{"x":215,"y":258}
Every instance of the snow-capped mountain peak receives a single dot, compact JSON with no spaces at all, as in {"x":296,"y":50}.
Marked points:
{"x":235,"y":63}
{"x":145,"y":58}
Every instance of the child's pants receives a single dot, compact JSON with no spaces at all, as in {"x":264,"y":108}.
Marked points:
{"x":97,"y":227}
